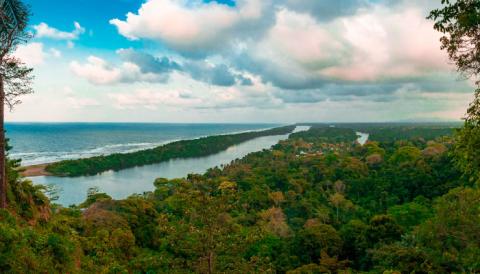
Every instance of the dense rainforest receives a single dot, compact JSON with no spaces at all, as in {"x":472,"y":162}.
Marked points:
{"x":316,"y":203}
{"x":407,"y":201}
{"x":180,"y":149}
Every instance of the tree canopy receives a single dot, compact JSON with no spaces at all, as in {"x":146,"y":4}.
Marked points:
{"x":460,"y":22}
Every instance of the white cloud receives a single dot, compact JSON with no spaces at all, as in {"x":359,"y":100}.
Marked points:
{"x":99,"y":71}
{"x":380,"y":45}
{"x":304,"y":59}
{"x":389,"y":43}
{"x":303,"y":39}
{"x":192,"y":26}
{"x":55,"y":53}
{"x":96,"y":71}
{"x":181,"y":95}
{"x":370,"y":42}
{"x":43,"y":30}
{"x":32,"y":54}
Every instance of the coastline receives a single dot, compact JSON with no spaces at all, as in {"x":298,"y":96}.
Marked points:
{"x":203,"y":146}
{"x":39,"y":169}
{"x":123,"y":183}
{"x":32,"y":142}
{"x":34,"y":170}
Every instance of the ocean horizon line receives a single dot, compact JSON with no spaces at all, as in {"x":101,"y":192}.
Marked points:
{"x":234,"y":123}
{"x":155,"y":123}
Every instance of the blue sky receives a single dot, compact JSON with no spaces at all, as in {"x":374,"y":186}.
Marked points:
{"x":93,"y":15}
{"x":243,"y":61}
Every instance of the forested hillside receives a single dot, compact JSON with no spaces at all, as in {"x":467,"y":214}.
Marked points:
{"x":406,"y":201}
{"x":326,"y":205}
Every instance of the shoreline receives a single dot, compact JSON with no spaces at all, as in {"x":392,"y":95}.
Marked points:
{"x":166,"y":149}
{"x":34,"y":170}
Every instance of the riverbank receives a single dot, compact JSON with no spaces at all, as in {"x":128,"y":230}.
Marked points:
{"x":40,"y":169}
{"x":123,"y":183}
{"x":40,"y":143}
{"x":34,"y":170}
{"x":176,"y":150}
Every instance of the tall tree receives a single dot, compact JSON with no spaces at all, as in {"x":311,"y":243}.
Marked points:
{"x":459,"y":20}
{"x":15,"y":76}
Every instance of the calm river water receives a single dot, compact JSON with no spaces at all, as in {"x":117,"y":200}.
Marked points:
{"x":121,"y":184}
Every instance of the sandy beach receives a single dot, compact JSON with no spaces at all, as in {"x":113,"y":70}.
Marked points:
{"x":34,"y":170}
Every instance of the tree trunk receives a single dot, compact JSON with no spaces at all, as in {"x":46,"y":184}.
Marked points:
{"x":210,"y":262}
{"x":3,"y":177}
{"x":337,"y":214}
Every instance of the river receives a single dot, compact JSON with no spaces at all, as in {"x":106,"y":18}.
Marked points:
{"x":362,"y":138}
{"x":121,"y":184}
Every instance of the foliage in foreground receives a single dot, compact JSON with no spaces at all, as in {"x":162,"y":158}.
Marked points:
{"x":302,"y":207}
{"x":459,"y":22}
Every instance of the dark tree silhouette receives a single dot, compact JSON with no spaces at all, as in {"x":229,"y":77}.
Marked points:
{"x":15,"y":76}
{"x":460,"y":22}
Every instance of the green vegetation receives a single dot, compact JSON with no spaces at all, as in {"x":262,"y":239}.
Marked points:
{"x":316,"y":206}
{"x":16,"y":78}
{"x":396,"y":133}
{"x":180,"y":149}
{"x":382,"y":132}
{"x":326,"y":134}
{"x":459,"y":22}
{"x":405,"y":202}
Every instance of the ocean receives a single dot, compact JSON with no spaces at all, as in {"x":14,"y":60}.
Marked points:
{"x":38,"y":143}
{"x":123,"y":183}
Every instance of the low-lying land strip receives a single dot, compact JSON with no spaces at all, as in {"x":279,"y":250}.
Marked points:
{"x":181,"y":149}
{"x":35,"y":170}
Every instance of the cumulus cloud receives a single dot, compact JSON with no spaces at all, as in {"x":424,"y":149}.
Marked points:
{"x":43,"y":30}
{"x":199,"y":27}
{"x":389,"y":44}
{"x":195,"y":27}
{"x":326,"y":10}
{"x":187,"y":93}
{"x":215,"y":74}
{"x":144,"y":67}
{"x":299,"y":44}
{"x":301,"y":51}
{"x":154,"y":99}
{"x":32,"y":54}
{"x":149,"y":63}
{"x":292,"y":51}
{"x":99,"y":71}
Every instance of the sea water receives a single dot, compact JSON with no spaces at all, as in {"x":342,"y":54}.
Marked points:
{"x":38,"y":143}
{"x":121,"y":184}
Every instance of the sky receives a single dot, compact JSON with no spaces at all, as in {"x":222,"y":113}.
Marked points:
{"x":238,"y":61}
